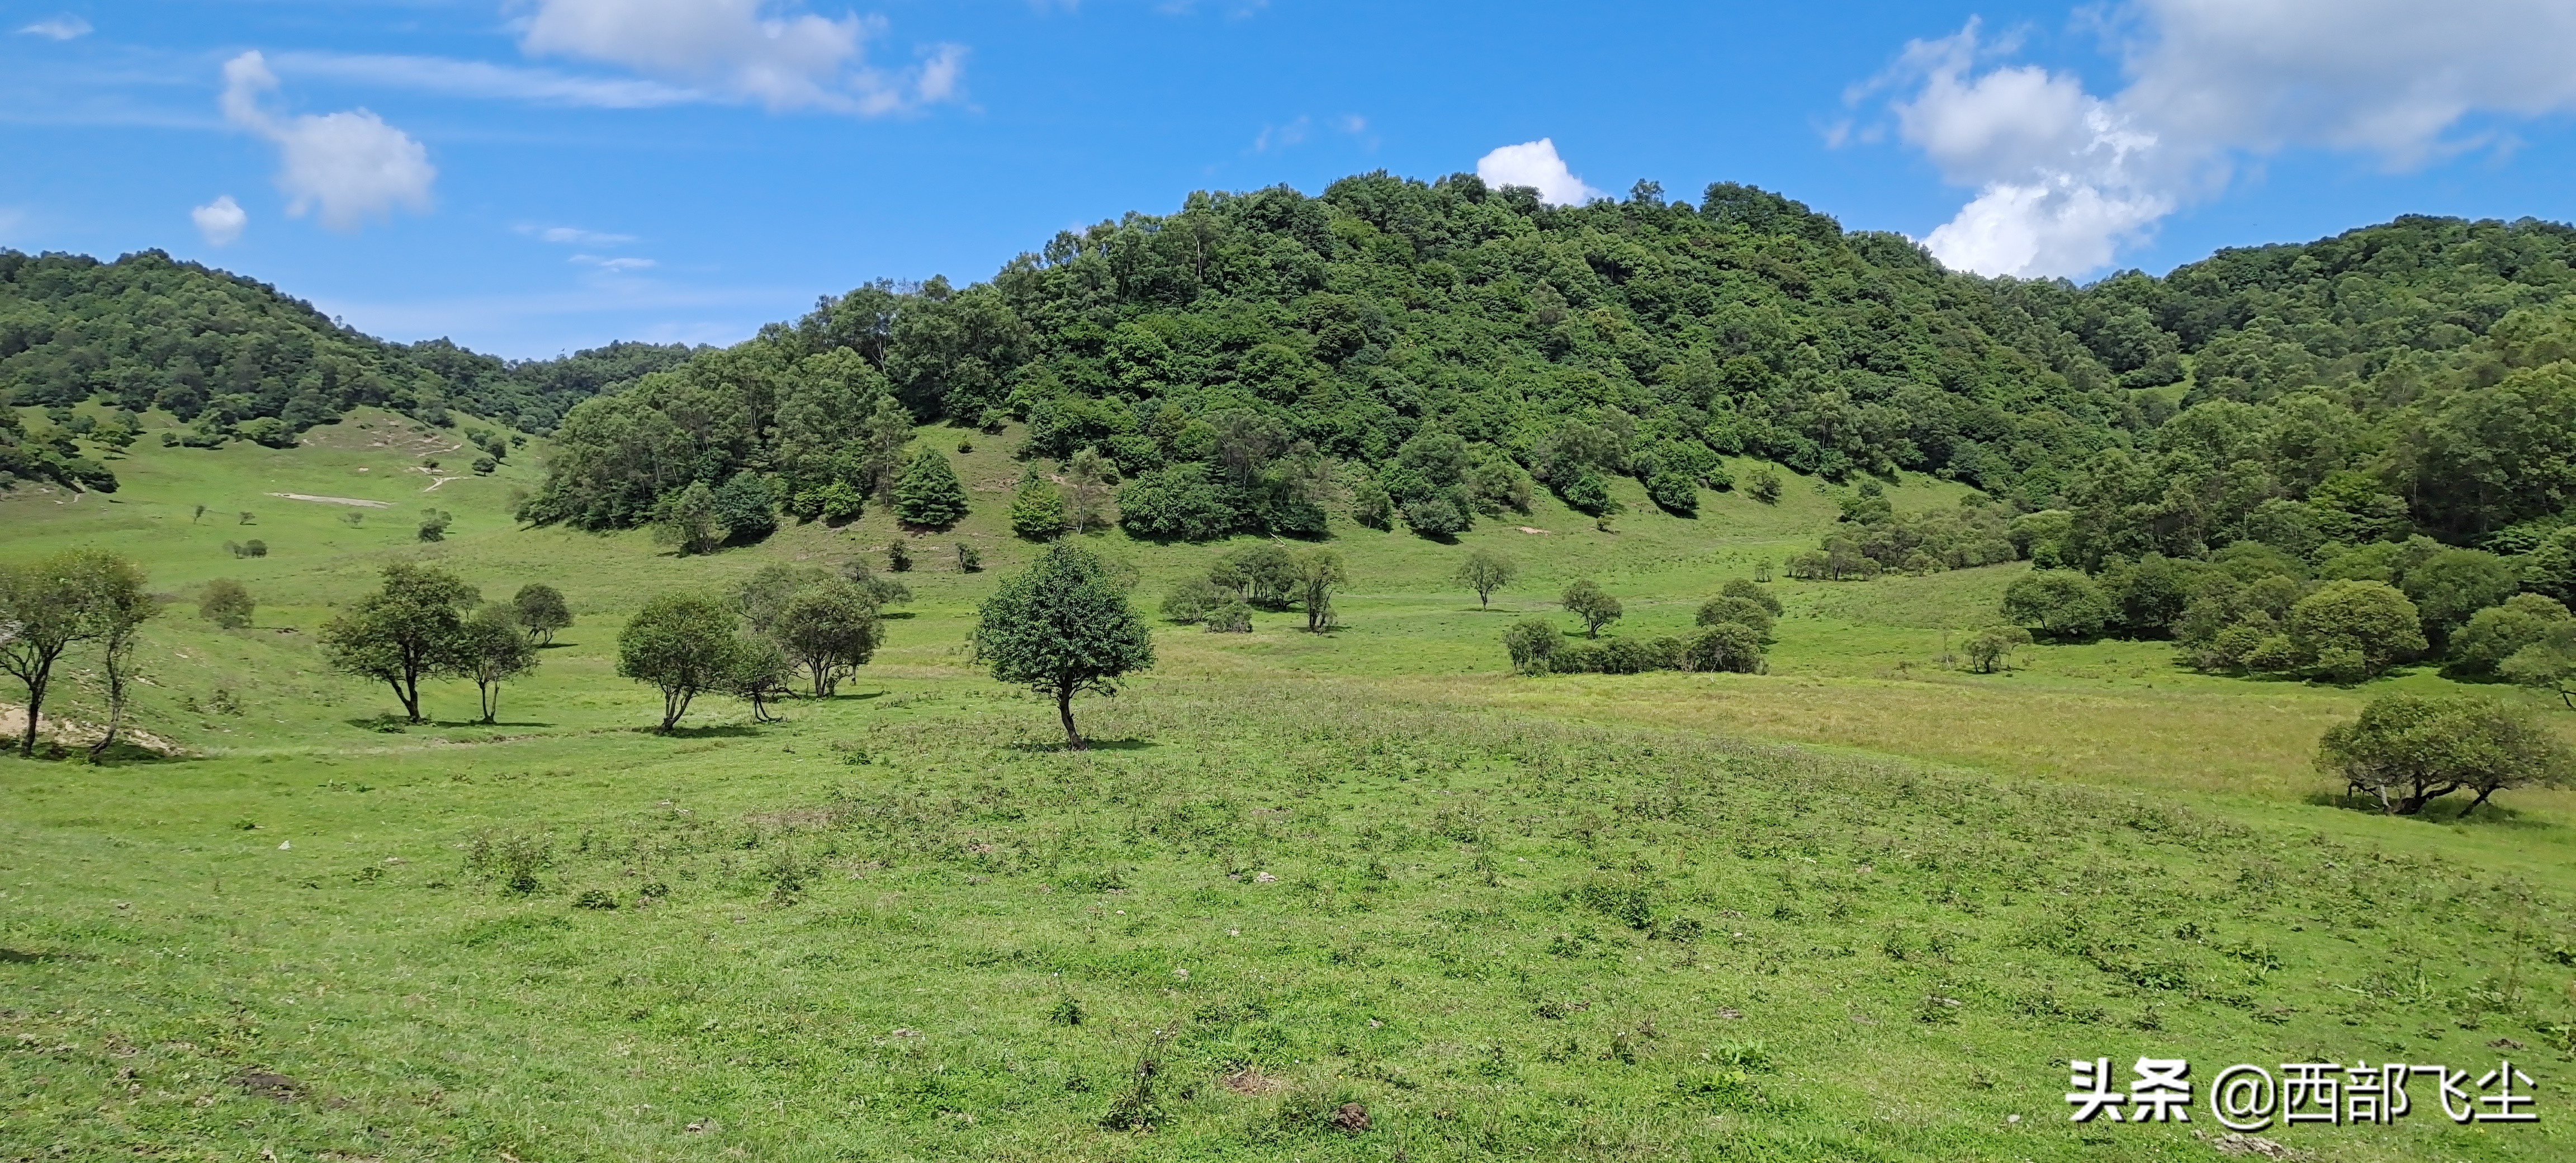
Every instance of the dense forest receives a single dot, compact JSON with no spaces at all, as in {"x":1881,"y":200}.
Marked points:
{"x":236,"y":360}
{"x":1432,"y":352}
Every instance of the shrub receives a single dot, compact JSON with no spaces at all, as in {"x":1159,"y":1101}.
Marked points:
{"x":2495,"y":633}
{"x":1589,"y":493}
{"x":1675,"y":492}
{"x":1752,"y":591}
{"x":1435,"y":517}
{"x":1763,"y":484}
{"x":1991,"y":649}
{"x":2060,"y":603}
{"x":1727,"y":646}
{"x":898,"y":556}
{"x":226,"y":603}
{"x":1533,"y":643}
{"x":969,"y":559}
{"x":1230,"y":616}
{"x":257,"y":548}
{"x":1742,"y":611}
{"x":1191,"y":600}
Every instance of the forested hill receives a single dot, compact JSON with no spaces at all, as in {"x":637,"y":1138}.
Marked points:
{"x":1431,"y":349}
{"x":239,"y":360}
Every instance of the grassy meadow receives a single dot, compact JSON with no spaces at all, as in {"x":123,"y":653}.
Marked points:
{"x":1362,"y":896}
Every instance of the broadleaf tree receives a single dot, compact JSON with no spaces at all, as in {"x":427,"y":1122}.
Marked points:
{"x":1062,"y":627}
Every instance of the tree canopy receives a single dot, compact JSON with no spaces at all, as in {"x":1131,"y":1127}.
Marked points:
{"x":1061,"y":627}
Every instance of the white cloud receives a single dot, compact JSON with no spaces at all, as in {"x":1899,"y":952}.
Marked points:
{"x":350,"y":166}
{"x":220,"y":221}
{"x":615,"y":265}
{"x":1535,"y":164}
{"x":479,"y":79}
{"x":575,"y":236}
{"x":64,"y":27}
{"x":752,"y":50}
{"x":2065,"y":178}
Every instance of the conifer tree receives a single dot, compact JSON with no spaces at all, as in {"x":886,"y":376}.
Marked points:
{"x":929,"y":493}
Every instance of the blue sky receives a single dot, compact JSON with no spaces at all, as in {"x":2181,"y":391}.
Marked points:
{"x":534,"y":176}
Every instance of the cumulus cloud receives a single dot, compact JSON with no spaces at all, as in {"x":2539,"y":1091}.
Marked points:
{"x":1535,"y":164}
{"x":220,"y":221}
{"x":347,"y":166}
{"x":752,"y":50}
{"x":64,"y":27}
{"x":2065,"y":178}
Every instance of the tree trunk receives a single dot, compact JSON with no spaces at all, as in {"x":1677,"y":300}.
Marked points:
{"x":2483,"y":793}
{"x":36,"y":704}
{"x":1064,"y":710}
{"x":491,"y":693}
{"x":115,"y":704}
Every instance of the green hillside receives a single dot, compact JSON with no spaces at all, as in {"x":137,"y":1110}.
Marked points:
{"x":1862,"y":905}
{"x":1367,"y":893}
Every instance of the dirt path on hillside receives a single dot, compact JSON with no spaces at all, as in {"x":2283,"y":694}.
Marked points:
{"x":335,"y":500}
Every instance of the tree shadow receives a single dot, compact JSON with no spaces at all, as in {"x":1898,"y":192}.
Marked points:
{"x":895,"y":615}
{"x":725,"y":731}
{"x":2451,"y":809}
{"x":1060,"y":746}
{"x":25,"y":957}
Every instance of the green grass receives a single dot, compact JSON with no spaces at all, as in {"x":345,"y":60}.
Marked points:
{"x":1541,"y":918}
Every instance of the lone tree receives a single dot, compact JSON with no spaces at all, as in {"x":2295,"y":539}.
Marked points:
{"x":1586,"y":599}
{"x":541,"y":611}
{"x":1991,"y":649}
{"x":1037,"y":512}
{"x":44,"y":609}
{"x":116,"y":604}
{"x":1061,"y":627}
{"x":492,"y":649}
{"x":684,"y":645}
{"x":1486,"y":571}
{"x":929,"y":493}
{"x":1319,"y":575}
{"x":227,"y":603}
{"x":408,"y":630}
{"x":2407,"y":750}
{"x":830,"y":629}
